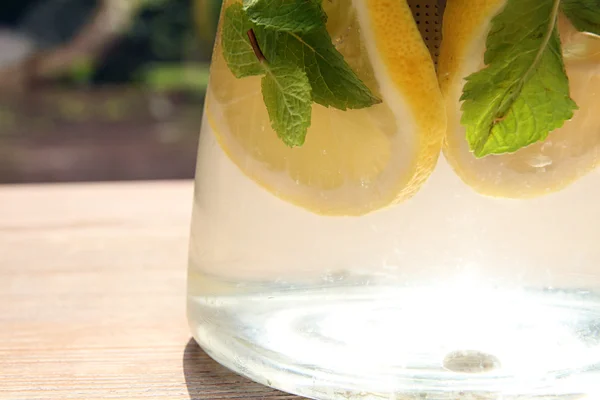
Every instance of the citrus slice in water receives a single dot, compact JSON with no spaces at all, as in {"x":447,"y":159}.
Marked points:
{"x":355,"y":161}
{"x":545,"y":167}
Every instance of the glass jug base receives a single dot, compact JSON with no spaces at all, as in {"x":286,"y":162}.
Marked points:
{"x":364,"y":339}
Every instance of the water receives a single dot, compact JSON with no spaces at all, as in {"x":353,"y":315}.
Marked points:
{"x":450,"y":295}
{"x":362,"y":340}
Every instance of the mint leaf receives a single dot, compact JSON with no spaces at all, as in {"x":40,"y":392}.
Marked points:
{"x":287,"y":95}
{"x":584,"y":14}
{"x":286,"y":15}
{"x":286,"y":89}
{"x":287,"y":42}
{"x":333,"y":82}
{"x":237,"y":50}
{"x":523,"y":93}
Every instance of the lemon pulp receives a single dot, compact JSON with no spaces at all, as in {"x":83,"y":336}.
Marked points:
{"x":545,"y":167}
{"x":356,"y":161}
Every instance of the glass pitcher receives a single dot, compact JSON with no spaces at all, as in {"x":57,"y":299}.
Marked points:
{"x":364,"y":226}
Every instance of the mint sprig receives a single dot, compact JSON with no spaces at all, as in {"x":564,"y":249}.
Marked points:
{"x":523,"y":93}
{"x":287,"y":42}
{"x":239,"y":54}
{"x":333,"y":82}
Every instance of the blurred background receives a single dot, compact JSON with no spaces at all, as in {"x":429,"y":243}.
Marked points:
{"x":102,"y":90}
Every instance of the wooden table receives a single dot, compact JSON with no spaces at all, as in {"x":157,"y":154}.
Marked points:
{"x":92,"y":296}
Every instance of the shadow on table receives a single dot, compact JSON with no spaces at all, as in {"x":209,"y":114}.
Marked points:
{"x":208,"y":380}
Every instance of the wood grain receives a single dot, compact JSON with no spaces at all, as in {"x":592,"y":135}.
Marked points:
{"x":92,"y":296}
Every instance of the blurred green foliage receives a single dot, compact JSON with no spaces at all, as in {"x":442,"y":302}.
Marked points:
{"x":176,"y":77}
{"x":163,"y":32}
{"x":166,"y":47}
{"x":12,"y":11}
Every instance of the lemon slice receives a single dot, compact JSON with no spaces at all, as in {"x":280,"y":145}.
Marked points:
{"x":539,"y":169}
{"x":355,"y":161}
